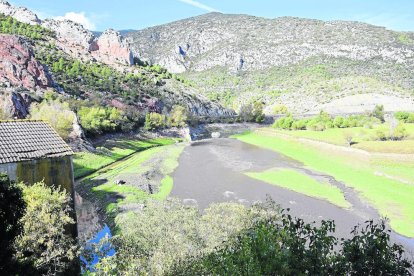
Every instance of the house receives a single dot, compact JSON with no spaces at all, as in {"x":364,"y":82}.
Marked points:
{"x":32,"y":151}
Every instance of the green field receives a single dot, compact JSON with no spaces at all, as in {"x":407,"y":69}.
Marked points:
{"x":301,"y":183}
{"x":363,"y":138}
{"x":111,"y":151}
{"x":392,"y":198}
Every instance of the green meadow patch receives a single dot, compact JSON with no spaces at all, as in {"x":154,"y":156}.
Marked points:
{"x":111,"y":151}
{"x":301,"y":183}
{"x":392,"y":198}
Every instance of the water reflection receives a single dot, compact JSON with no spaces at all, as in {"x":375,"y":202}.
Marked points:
{"x":92,"y":233}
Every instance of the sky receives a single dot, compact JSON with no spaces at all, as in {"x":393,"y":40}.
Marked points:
{"x":99,"y":15}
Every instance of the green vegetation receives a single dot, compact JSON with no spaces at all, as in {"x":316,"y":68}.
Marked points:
{"x":154,"y":121}
{"x":322,"y":79}
{"x":34,"y":230}
{"x":111,"y":151}
{"x":44,"y":244}
{"x":12,"y":209}
{"x":301,"y":183}
{"x":9,"y":25}
{"x":164,"y":233}
{"x":392,"y":198}
{"x":252,"y":112}
{"x":99,"y":120}
{"x":292,"y":247}
{"x":178,"y":116}
{"x":324,"y":121}
{"x":405,"y":39}
{"x":406,"y":117}
{"x":56,"y":113}
{"x":368,"y":139}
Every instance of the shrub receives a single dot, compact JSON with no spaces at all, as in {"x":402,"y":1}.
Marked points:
{"x":178,"y":116}
{"x":154,"y":121}
{"x":378,"y":113}
{"x":97,"y":120}
{"x":292,"y":247}
{"x":44,"y":243}
{"x":339,"y":122}
{"x":284,"y":122}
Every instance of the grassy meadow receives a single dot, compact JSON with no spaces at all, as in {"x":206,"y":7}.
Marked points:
{"x":301,"y":183}
{"x":392,"y":197}
{"x":363,"y":138}
{"x":111,"y":151}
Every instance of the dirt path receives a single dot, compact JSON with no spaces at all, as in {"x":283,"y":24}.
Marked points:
{"x":213,"y":171}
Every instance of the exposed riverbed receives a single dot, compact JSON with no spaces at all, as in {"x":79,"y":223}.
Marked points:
{"x":213,"y":171}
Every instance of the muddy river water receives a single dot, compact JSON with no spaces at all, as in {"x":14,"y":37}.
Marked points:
{"x":213,"y":171}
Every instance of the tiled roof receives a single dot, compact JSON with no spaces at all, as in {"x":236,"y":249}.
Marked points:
{"x":27,"y":140}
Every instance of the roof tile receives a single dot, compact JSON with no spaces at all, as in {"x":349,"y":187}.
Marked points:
{"x":27,"y":140}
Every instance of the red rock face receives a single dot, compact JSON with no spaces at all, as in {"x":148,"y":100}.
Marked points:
{"x":18,"y":65}
{"x":111,"y":48}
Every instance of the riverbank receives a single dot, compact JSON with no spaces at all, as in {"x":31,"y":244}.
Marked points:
{"x":392,"y":198}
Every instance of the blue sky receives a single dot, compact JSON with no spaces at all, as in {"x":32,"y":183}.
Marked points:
{"x":138,"y":14}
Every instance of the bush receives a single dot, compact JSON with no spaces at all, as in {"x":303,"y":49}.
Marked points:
{"x":405,"y":117}
{"x":284,"y":122}
{"x":178,"y":116}
{"x":292,"y":247}
{"x":151,"y":241}
{"x":154,"y":121}
{"x":44,"y":243}
{"x":98,"y":120}
{"x":378,"y":113}
{"x":252,"y":112}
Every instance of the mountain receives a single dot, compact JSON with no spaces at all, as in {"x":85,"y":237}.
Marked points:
{"x":39,"y":56}
{"x":305,"y":64}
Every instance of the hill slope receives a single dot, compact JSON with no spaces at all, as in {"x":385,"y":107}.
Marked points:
{"x":302,"y":63}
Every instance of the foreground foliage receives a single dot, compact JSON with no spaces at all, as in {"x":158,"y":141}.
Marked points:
{"x":292,"y":247}
{"x":12,"y":208}
{"x":169,"y":238}
{"x":45,"y":243}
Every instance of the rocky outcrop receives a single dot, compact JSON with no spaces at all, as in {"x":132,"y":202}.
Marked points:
{"x":18,"y":66}
{"x":14,"y":105}
{"x":72,"y":37}
{"x":111,"y":48}
{"x":77,"y":138}
{"x":22,"y":14}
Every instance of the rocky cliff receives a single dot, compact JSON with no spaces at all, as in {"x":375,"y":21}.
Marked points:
{"x":302,"y":63}
{"x":111,"y":47}
{"x":19,"y":67}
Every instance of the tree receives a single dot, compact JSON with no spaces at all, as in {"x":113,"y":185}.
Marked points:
{"x":378,"y":113}
{"x":44,"y":243}
{"x":57,"y":114}
{"x":349,"y":136}
{"x":154,"y":121}
{"x":257,"y":112}
{"x":12,"y":208}
{"x":178,"y":116}
{"x":291,"y":247}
